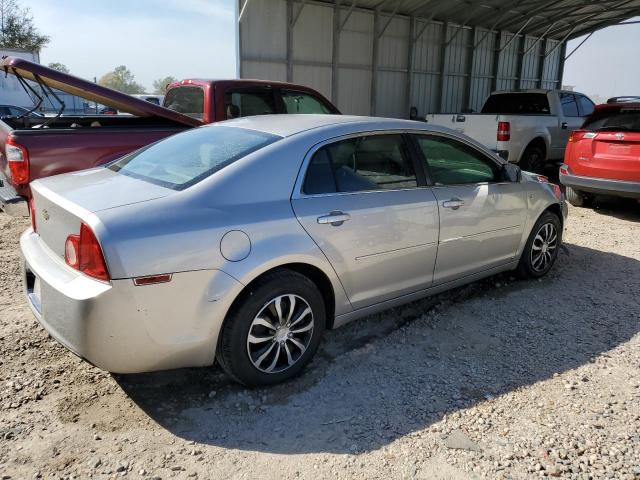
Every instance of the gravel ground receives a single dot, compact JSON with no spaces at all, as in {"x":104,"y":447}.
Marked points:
{"x":499,"y":379}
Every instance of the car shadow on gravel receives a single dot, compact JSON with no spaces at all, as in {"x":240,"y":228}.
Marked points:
{"x":386,"y":376}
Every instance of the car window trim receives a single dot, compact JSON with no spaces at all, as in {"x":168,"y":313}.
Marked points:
{"x":298,"y":189}
{"x":425,"y":163}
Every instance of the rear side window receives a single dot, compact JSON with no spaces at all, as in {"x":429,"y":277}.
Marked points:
{"x":517,"y":104}
{"x":188,"y":100}
{"x":619,"y":119}
{"x":586,"y":106}
{"x":375,"y":162}
{"x":569,"y":105}
{"x":249,"y":103}
{"x":297,"y":102}
{"x":187,"y":158}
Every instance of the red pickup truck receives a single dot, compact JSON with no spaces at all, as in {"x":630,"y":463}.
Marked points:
{"x":36,"y":147}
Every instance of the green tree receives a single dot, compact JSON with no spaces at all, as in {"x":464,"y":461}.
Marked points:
{"x":121,"y":79}
{"x":160,"y":85}
{"x":17,"y":29}
{"x":60,"y":67}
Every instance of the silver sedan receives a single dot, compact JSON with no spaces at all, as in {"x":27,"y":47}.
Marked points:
{"x":243,"y":241}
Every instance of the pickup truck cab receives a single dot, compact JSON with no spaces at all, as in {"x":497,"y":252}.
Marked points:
{"x":34,"y":147}
{"x":527,"y":127}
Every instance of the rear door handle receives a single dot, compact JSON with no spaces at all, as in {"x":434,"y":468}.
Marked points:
{"x":454,"y":203}
{"x":334,"y":218}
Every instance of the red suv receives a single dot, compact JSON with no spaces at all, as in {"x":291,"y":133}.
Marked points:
{"x":603,"y":157}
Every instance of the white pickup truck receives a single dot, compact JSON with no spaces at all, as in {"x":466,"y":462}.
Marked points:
{"x":527,"y":127}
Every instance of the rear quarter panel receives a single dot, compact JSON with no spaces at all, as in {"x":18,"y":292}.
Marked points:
{"x":524,"y":130}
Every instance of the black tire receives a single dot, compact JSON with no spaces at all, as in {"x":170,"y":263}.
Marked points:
{"x":529,"y":267}
{"x":233,"y":352}
{"x":533,"y":159}
{"x":575,"y":197}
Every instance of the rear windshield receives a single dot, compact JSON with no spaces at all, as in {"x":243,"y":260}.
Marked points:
{"x":620,"y":119}
{"x":187,"y":158}
{"x":517,"y":104}
{"x":188,"y":100}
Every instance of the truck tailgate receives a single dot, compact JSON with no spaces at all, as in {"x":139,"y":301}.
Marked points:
{"x":480,"y":127}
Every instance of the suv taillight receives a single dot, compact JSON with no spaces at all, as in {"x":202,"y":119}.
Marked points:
{"x":18,"y":160}
{"x":577,"y":135}
{"x":83,"y":252}
{"x":504,"y":132}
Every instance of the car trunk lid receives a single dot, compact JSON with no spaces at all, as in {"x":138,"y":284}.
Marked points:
{"x":90,"y":91}
{"x":613,"y":155}
{"x":62,"y":202}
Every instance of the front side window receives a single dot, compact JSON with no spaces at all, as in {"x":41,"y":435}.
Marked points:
{"x":297,"y":102}
{"x":569,"y":105}
{"x":375,"y":162}
{"x":249,"y":103}
{"x":450,"y":162}
{"x":188,"y":100}
{"x":187,"y":158}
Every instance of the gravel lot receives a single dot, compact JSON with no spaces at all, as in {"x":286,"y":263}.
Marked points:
{"x":499,"y":379}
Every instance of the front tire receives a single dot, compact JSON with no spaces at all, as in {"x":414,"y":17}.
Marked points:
{"x":542,"y":247}
{"x":273,"y":330}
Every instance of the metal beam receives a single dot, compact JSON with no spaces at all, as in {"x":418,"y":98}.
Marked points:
{"x":335,"y":52}
{"x":520,"y":67}
{"x":289,"y":40}
{"x":579,"y":45}
{"x":562,"y":42}
{"x":489,"y":31}
{"x":471,"y":61}
{"x":297,"y":15}
{"x":393,"y":14}
{"x":242,"y":10}
{"x":374,"y":61}
{"x":542,"y":57}
{"x":497,"y":53}
{"x":515,"y":35}
{"x":444,"y":66}
{"x":410,"y":55}
{"x":347,"y":16}
{"x":532,"y":46}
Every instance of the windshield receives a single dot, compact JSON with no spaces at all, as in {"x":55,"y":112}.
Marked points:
{"x":620,"y":119}
{"x":517,"y":104}
{"x":187,"y":158}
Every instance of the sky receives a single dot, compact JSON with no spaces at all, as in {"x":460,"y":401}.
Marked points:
{"x":196,"y":38}
{"x":153,"y":38}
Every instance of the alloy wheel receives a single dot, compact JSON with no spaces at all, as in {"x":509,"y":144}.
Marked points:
{"x":280,"y":333}
{"x":543,"y":247}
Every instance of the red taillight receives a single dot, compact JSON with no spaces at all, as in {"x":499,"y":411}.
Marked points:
{"x":83,"y":253}
{"x":32,"y":213}
{"x":18,"y":160}
{"x":504,"y":132}
{"x":578,"y":135}
{"x":564,"y":169}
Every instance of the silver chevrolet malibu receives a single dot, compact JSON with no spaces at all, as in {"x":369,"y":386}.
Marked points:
{"x":243,"y":241}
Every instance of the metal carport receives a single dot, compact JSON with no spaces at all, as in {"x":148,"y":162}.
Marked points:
{"x":381,"y":57}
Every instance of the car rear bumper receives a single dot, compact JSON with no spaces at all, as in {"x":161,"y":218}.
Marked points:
{"x":12,"y":203}
{"x":124,"y":328}
{"x":602,"y":186}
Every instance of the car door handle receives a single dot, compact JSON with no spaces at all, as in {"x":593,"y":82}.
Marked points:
{"x":564,"y":125}
{"x":334,"y":218}
{"x":454,"y":203}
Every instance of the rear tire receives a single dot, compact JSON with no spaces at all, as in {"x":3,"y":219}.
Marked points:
{"x":575,"y":197}
{"x":273,"y":330}
{"x":541,"y":250}
{"x":533,"y":159}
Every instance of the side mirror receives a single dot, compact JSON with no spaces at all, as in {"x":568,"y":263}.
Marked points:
{"x":413,"y":113}
{"x":511,"y":172}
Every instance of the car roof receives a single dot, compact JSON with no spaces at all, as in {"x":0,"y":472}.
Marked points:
{"x":291,"y":124}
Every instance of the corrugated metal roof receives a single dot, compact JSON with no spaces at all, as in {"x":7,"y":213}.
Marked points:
{"x":549,"y":18}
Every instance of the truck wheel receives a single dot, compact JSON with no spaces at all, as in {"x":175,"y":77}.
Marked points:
{"x":533,"y":159}
{"x":574,"y":197}
{"x":273,"y":330}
